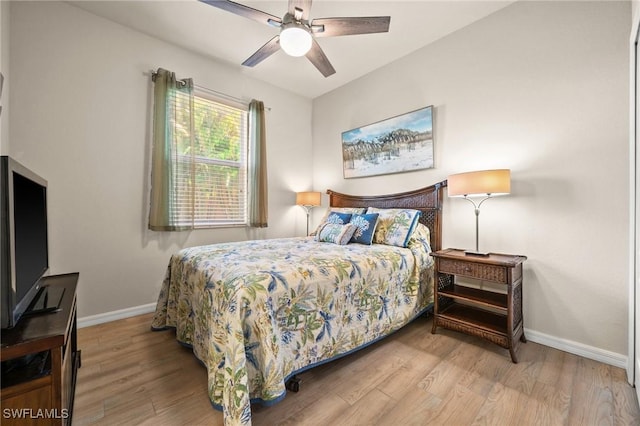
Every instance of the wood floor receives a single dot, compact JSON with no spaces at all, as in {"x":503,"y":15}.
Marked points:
{"x":132,"y":376}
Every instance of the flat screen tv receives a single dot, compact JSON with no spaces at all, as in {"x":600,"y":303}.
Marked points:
{"x":24,"y":257}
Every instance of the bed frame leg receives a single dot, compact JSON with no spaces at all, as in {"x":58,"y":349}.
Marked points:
{"x":293,"y":384}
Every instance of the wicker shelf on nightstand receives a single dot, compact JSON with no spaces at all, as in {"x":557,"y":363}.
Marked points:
{"x":494,"y":316}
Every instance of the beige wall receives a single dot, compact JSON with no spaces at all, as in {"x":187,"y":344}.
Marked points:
{"x":4,"y":69}
{"x":80,"y":115}
{"x":540,"y":88}
{"x":633,"y":365}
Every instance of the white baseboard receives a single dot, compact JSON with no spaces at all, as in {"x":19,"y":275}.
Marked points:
{"x":607,"y":357}
{"x":596,"y":354}
{"x":637,"y":362}
{"x":115,"y":315}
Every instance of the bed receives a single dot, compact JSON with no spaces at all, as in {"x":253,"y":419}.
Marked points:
{"x":258,"y":312}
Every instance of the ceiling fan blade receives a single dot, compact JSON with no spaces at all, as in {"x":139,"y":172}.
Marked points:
{"x":350,"y":26}
{"x":264,"y":52}
{"x":304,"y":5}
{"x":245,"y":11}
{"x":319,"y":60}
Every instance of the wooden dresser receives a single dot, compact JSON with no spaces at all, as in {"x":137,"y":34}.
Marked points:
{"x":40,"y":358}
{"x":494,"y":315}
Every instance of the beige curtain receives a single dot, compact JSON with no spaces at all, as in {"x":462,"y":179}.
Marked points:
{"x":258,"y":202}
{"x":172,"y":139}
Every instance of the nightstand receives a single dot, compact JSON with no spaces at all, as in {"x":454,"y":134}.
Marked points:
{"x":491,"y":314}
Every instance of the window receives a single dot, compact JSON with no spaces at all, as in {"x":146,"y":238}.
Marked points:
{"x":216,"y":188}
{"x":200,"y":169}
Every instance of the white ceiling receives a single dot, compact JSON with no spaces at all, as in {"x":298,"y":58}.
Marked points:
{"x":232,"y":39}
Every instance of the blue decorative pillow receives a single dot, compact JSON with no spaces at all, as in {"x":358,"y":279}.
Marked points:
{"x":335,"y":233}
{"x":330,"y":210}
{"x":395,"y":226}
{"x":365,"y":227}
{"x":339,"y":218}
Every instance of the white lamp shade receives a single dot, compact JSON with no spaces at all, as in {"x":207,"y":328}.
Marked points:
{"x":308,"y":198}
{"x":295,"y":40}
{"x":480,"y":183}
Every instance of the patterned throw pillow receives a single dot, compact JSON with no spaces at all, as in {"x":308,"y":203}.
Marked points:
{"x":365,"y":227}
{"x":351,"y":210}
{"x":339,"y":218}
{"x":395,"y":226}
{"x":421,"y":236}
{"x":335,"y":233}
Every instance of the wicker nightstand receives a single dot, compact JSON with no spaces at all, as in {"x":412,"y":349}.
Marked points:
{"x":494,"y":316}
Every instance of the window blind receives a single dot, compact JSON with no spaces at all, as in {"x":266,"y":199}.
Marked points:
{"x":210,"y":166}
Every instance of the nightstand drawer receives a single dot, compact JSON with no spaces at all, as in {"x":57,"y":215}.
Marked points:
{"x":479,"y":271}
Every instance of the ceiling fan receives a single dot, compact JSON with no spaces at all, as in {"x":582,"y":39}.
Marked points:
{"x":298,"y":33}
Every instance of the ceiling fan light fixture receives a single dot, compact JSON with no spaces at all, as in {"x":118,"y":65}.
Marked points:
{"x":295,"y":39}
{"x":297,"y":33}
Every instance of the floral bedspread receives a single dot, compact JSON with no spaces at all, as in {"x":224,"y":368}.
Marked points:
{"x":256,"y":312}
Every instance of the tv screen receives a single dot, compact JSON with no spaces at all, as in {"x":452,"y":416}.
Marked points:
{"x":24,"y":254}
{"x":30,"y":233}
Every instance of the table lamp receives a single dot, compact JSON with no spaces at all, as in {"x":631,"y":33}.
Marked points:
{"x":308,"y":200}
{"x":484,"y":183}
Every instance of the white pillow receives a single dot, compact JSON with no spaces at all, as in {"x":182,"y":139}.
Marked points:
{"x":336,"y":233}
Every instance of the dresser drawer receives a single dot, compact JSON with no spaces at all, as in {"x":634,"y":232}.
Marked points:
{"x":479,"y":271}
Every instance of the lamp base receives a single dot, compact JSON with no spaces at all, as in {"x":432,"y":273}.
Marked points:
{"x":476,"y":253}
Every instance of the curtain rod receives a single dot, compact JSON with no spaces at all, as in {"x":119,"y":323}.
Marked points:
{"x":206,"y":89}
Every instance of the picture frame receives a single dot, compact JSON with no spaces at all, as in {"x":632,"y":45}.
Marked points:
{"x":398,"y":144}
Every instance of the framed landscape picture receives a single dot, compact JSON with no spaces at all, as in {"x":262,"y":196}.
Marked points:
{"x":399,"y":144}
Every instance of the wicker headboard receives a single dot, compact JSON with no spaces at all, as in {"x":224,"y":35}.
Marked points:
{"x":428,"y":200}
